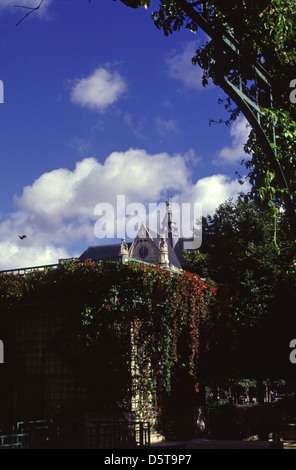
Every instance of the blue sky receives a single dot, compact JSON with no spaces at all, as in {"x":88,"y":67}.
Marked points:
{"x":98,"y":102}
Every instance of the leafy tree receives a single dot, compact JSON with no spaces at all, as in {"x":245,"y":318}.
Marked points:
{"x":238,"y":250}
{"x":263,"y":32}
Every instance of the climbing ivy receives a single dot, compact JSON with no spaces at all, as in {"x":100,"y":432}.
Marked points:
{"x":132,"y":314}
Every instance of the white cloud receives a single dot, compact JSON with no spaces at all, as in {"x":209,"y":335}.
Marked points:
{"x":180,"y":67}
{"x":18,"y":255}
{"x":135,"y":173}
{"x":212,"y":191}
{"x":56,"y":211}
{"x":99,"y":90}
{"x":234,"y":154}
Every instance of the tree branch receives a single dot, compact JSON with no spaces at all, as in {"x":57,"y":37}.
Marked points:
{"x":131,"y":3}
{"x":28,"y":8}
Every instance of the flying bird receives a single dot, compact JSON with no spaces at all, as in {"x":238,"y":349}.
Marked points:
{"x":22,"y":236}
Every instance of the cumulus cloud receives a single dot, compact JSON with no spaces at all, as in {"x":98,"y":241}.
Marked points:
{"x":212,"y":191}
{"x":57,"y":211}
{"x":99,"y":90}
{"x":234,"y":154}
{"x":135,"y":173}
{"x":19,"y":256}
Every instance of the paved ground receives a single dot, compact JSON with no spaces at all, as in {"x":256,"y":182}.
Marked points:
{"x":221,"y":444}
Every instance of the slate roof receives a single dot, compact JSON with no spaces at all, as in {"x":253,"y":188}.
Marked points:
{"x":102,"y":252}
{"x":112,"y":252}
{"x":178,"y":249}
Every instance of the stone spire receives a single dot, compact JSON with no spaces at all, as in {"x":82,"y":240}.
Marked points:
{"x":123,"y":252}
{"x":170,"y":226}
{"x":169,"y":222}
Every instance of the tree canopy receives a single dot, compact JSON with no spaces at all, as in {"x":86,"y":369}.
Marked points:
{"x":263,"y":34}
{"x":238,"y":250}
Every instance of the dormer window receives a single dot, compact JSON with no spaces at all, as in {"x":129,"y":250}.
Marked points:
{"x":143,"y":252}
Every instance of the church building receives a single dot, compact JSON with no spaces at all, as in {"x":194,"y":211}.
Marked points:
{"x":148,"y":246}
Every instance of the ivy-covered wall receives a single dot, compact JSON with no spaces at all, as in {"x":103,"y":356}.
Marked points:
{"x":121,"y":325}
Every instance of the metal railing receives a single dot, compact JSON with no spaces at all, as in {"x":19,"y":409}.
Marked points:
{"x":118,"y":435}
{"x":14,"y":441}
{"x":29,"y":269}
{"x":46,"y":434}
